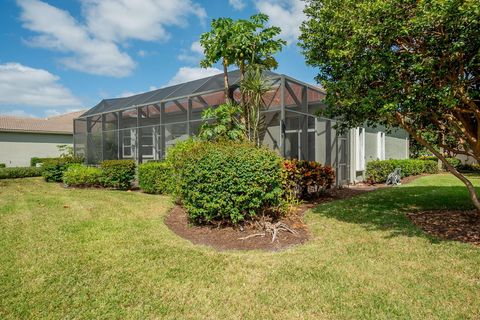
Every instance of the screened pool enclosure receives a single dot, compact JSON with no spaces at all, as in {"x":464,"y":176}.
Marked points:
{"x":143,"y":127}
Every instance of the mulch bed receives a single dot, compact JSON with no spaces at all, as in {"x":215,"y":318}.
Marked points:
{"x":449,"y":225}
{"x":452,"y":225}
{"x":229,"y":237}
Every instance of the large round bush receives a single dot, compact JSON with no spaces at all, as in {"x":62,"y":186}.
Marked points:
{"x":229,"y":181}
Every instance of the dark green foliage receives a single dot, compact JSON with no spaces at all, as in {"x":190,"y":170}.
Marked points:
{"x":2,"y":165}
{"x":53,"y":168}
{"x":474,"y":167}
{"x":82,"y":176}
{"x":378,"y":170}
{"x":229,"y":181}
{"x":156,"y":177}
{"x":302,"y":179}
{"x":222,"y":123}
{"x":35,"y":160}
{"x":454,"y":162}
{"x":20,"y":172}
{"x":118,"y":174}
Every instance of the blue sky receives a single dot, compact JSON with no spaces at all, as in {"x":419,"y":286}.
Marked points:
{"x":60,"y":56}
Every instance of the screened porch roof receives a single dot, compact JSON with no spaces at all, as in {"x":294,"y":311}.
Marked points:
{"x":188,"y":89}
{"x":191,"y":88}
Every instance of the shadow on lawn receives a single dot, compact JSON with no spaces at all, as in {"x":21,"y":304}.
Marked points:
{"x":386,"y":209}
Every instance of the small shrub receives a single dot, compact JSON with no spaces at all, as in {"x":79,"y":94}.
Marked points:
{"x":53,"y":168}
{"x":20,"y":172}
{"x":156,"y":177}
{"x":454,"y":162}
{"x":378,"y":170}
{"x":303,"y":178}
{"x":82,"y":176}
{"x":35,"y":160}
{"x":474,"y":167}
{"x":229,"y":181}
{"x":2,"y":165}
{"x":118,"y":174}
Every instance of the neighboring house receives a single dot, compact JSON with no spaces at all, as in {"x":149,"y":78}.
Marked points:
{"x":143,"y":126}
{"x":24,"y":138}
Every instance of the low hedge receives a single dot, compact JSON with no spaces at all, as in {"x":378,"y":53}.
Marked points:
{"x":53,"y":168}
{"x":378,"y":170}
{"x":454,"y":162}
{"x":35,"y":160}
{"x":156,"y":177}
{"x":79,"y":175}
{"x":303,"y":178}
{"x":228,"y":181}
{"x":474,"y":167}
{"x":118,"y":174}
{"x":20,"y":172}
{"x":2,"y":165}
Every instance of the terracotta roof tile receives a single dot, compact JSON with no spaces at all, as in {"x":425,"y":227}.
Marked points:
{"x":60,"y":124}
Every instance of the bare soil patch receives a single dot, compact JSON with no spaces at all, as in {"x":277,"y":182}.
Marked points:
{"x":449,"y":225}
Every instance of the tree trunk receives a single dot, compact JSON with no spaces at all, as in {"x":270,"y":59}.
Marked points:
{"x":471,"y":189}
{"x":226,"y":83}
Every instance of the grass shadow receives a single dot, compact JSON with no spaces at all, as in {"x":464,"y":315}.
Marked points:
{"x":386,"y":209}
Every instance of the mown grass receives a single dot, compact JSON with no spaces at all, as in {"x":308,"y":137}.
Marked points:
{"x":107,"y":254}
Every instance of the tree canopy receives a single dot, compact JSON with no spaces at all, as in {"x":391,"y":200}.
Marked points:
{"x":242,"y":43}
{"x":413,"y":64}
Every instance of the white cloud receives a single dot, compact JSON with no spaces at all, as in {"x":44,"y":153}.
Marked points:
{"x":93,"y":46}
{"x":138,"y":19}
{"x":22,"y":85}
{"x":237,"y":4}
{"x":286,"y":14}
{"x":60,"y":31}
{"x":185,"y":74}
{"x":132,"y":93}
{"x":196,"y":47}
{"x":17,"y":113}
{"x":193,"y":55}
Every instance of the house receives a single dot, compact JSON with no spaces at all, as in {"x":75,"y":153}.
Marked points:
{"x":143,"y":126}
{"x":22,"y":138}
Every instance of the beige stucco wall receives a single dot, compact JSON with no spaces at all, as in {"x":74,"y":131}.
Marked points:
{"x":16,"y":149}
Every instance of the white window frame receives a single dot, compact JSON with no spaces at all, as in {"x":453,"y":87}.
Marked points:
{"x":381,"y":145}
{"x":360,"y":149}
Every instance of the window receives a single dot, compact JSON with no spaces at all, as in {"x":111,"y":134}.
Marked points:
{"x":381,"y":145}
{"x":360,"y":149}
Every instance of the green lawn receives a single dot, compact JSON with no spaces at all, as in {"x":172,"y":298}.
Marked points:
{"x":107,"y":254}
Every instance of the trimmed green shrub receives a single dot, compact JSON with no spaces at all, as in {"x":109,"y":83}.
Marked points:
{"x":156,"y":177}
{"x":20,"y":172}
{"x":303,"y":178}
{"x":474,"y":167}
{"x":2,"y":165}
{"x":229,"y":181}
{"x":82,"y":176}
{"x":118,"y":174}
{"x":454,"y":162}
{"x":378,"y":170}
{"x":35,"y":160}
{"x":176,"y":157}
{"x":53,"y":168}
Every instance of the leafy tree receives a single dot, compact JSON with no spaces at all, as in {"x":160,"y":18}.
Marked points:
{"x":222,"y":123}
{"x":242,"y":43}
{"x":255,"y":44}
{"x":413,"y":64}
{"x":217,"y":46}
